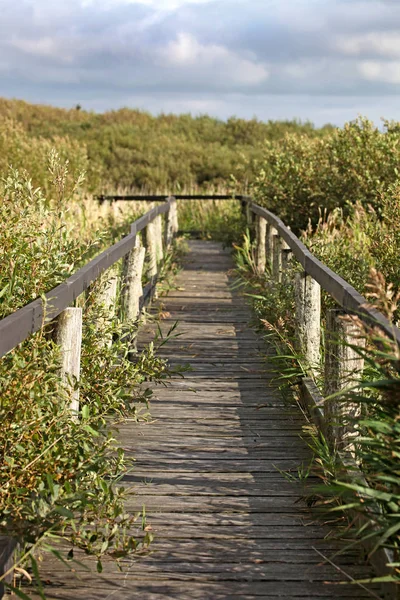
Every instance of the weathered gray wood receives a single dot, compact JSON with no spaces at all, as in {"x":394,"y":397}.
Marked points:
{"x":286,"y":256}
{"x":274,"y":488}
{"x":343,"y":370}
{"x":171,"y":223}
{"x":107,"y":298}
{"x":152,"y":249}
{"x":313,"y":402}
{"x":261,"y":231}
{"x":276,"y":258}
{"x":15,"y":328}
{"x":271,"y":232}
{"x":162,"y":197}
{"x":158,"y":225}
{"x":68,"y":335}
{"x":308,"y":318}
{"x":344,"y":294}
{"x":250,"y":219}
{"x":210,"y":504}
{"x":132,"y":290}
{"x":95,"y":587}
{"x":8,"y":547}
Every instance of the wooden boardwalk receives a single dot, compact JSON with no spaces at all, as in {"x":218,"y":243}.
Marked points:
{"x":227,"y":523}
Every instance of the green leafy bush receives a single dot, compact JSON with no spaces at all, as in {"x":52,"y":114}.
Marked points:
{"x":220,"y":220}
{"x":302,"y":175}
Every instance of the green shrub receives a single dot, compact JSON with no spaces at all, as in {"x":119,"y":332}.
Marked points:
{"x":133,"y":150}
{"x":302,"y":176}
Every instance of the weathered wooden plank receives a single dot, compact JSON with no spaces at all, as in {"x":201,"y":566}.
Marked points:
{"x":161,"y":198}
{"x":211,"y":413}
{"x":212,"y":444}
{"x":95,"y":587}
{"x":258,"y":490}
{"x":166,"y":531}
{"x":244,"y":555}
{"x":230,"y":453}
{"x":202,"y":417}
{"x":296,"y":551}
{"x":248,"y":430}
{"x":219,"y":465}
{"x":248,"y":412}
{"x":201,"y":504}
{"x":201,"y":478}
{"x":256,"y":570}
{"x":229,"y":384}
{"x":215,"y":400}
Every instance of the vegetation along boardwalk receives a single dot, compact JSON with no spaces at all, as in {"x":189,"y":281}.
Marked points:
{"x":210,"y":463}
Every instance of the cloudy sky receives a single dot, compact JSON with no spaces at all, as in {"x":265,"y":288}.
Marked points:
{"x":322,"y":60}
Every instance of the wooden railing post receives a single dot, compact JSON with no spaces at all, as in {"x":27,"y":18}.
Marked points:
{"x":171,"y":223}
{"x":8,"y":550}
{"x":243,"y":208}
{"x":269,"y":246}
{"x":106,"y":298}
{"x":158,"y":226}
{"x":343,"y":369}
{"x":276,"y":257}
{"x":308,"y":318}
{"x":68,"y":335}
{"x":132,"y":290}
{"x":286,"y":255}
{"x":152,"y":248}
{"x":261,"y":230}
{"x":250,"y":216}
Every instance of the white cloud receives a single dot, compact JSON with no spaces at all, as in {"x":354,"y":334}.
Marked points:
{"x":304,"y":69}
{"x":212,"y":60}
{"x":111,"y":52}
{"x":161,"y":5}
{"x":383,"y":71}
{"x":45,"y":47}
{"x":39,"y":47}
{"x":378,"y":43}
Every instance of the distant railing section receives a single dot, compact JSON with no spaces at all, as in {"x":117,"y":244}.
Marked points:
{"x":159,"y":198}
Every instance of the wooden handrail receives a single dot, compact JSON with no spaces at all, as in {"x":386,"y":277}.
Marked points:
{"x":18,"y":326}
{"x":161,"y":198}
{"x":340,"y":290}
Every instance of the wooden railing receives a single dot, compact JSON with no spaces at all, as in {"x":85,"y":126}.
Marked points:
{"x":343,"y":364}
{"x":57,"y":307}
{"x":17,"y":327}
{"x":275,"y":245}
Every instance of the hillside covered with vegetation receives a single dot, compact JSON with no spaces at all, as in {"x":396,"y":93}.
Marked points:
{"x":134,"y":150}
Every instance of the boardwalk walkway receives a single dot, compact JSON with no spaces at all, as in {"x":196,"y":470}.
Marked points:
{"x":227,"y":523}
